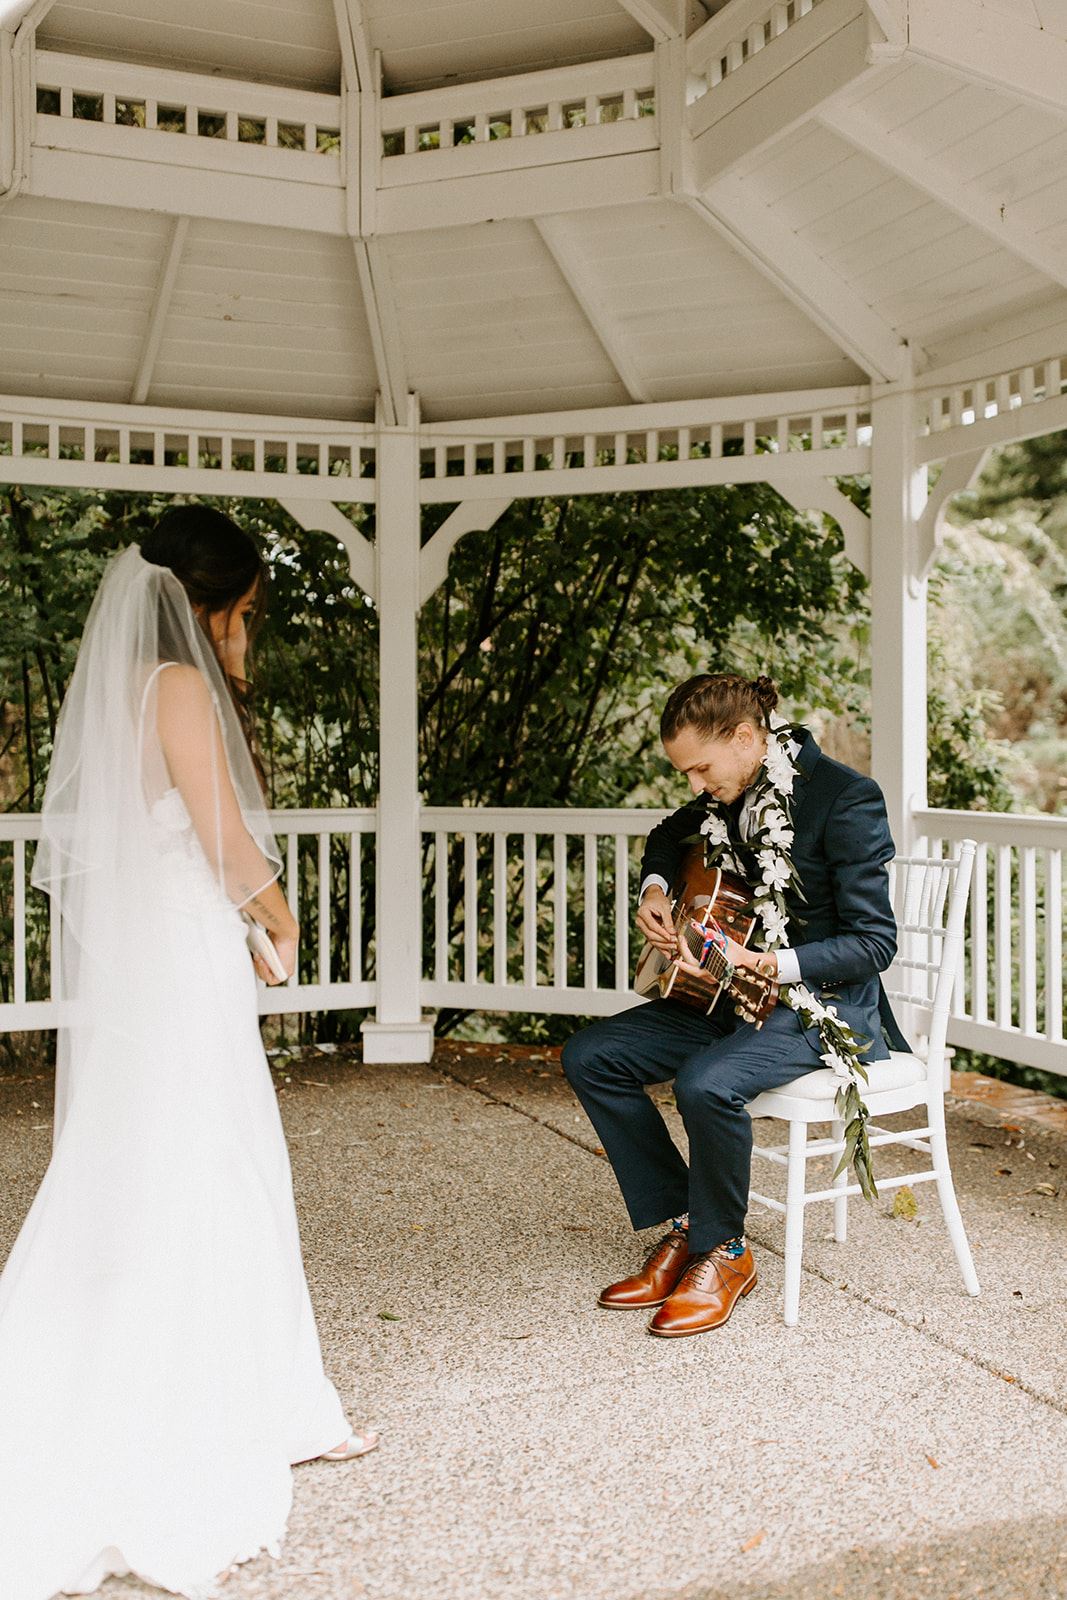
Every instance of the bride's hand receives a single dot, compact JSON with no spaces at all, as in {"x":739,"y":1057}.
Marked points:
{"x":287,"y":948}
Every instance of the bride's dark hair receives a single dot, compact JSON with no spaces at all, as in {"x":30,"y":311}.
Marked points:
{"x":217,"y":563}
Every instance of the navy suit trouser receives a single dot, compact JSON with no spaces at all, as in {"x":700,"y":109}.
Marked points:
{"x":717,"y":1068}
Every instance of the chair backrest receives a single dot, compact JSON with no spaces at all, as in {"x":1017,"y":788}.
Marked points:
{"x":929,"y":897}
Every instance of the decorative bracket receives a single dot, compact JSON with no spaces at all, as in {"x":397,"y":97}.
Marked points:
{"x":819,"y":494}
{"x":958,"y":475}
{"x":323,"y":516}
{"x":473,"y":516}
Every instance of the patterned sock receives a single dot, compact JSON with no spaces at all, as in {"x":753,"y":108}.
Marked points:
{"x":681,"y":1224}
{"x":734,"y":1247}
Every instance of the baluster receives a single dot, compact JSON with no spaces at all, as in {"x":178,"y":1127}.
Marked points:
{"x":53,"y":441}
{"x":622,"y":912}
{"x":592,"y":110}
{"x":324,"y":908}
{"x":748,"y":438}
{"x":1054,"y":944}
{"x":109,"y":106}
{"x":589,"y":450}
{"x":589,"y":874}
{"x":17,"y":438}
{"x":355,"y":907}
{"x":1002,"y":391}
{"x":481,"y":127}
{"x":226,"y":452}
{"x":290,"y":456}
{"x":292,"y":891}
{"x":66,"y":101}
{"x":980,"y":937}
{"x":192,"y":120}
{"x":258,"y":455}
{"x":716,"y":438}
{"x":55,"y":952}
{"x":469,"y":460}
{"x":233,"y":132}
{"x":620,"y":449}
{"x":555,"y":116}
{"x":470,"y":908}
{"x":684,"y":443}
{"x":779,"y":20}
{"x":801,"y":8}
{"x":529,"y":455}
{"x":440,"y":885}
{"x":500,"y":908}
{"x":735,"y":55}
{"x":1026,"y":386}
{"x":323,"y":464}
{"x":446,"y":134}
{"x":518,"y":123}
{"x":1028,"y":939}
{"x":440,"y":461}
{"x":629,"y":104}
{"x":755,"y":38}
{"x":1053,"y":379}
{"x":652,"y":445}
{"x":782,"y":434}
{"x":411,"y":141}
{"x":1002,"y":936}
{"x":559,"y":908}
{"x":529,"y":910}
{"x":19,"y":846}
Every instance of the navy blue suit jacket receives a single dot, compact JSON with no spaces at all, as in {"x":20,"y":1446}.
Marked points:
{"x":843,"y":931}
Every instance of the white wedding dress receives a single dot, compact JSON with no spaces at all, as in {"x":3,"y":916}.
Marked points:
{"x":160,"y":1367}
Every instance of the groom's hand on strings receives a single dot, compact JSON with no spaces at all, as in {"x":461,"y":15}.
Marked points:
{"x":655,"y":921}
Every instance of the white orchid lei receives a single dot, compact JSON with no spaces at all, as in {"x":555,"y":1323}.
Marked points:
{"x":765,"y":859}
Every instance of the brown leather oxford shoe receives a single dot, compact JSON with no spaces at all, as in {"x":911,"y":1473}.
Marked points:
{"x":706,"y":1294}
{"x":650,"y":1287}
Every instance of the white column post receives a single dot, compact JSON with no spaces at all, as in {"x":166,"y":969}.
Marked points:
{"x":399,"y":1033}
{"x":898,"y":615}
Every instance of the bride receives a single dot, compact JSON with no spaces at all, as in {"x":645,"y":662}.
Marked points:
{"x":160,"y":1368}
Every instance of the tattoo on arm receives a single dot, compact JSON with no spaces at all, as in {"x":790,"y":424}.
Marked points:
{"x":253,"y":904}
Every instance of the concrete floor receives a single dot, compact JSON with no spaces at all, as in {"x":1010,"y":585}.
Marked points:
{"x":904,"y":1441}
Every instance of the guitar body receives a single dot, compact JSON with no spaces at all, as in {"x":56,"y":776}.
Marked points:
{"x":706,"y":893}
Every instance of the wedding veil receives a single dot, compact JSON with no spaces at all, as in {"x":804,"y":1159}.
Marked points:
{"x":99,"y":854}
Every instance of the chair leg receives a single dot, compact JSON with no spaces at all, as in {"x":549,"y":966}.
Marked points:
{"x":794,"y":1220}
{"x":840,"y":1182}
{"x":946,"y":1191}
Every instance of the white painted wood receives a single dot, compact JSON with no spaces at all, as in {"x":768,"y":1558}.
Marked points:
{"x":324,"y":516}
{"x":469,"y":517}
{"x":399,"y":1024}
{"x":790,"y":79}
{"x":379,"y":304}
{"x":978,"y":42}
{"x":821,"y":494}
{"x":803,"y":276}
{"x":168,"y":273}
{"x":558,"y":236}
{"x":990,"y":213}
{"x":662,"y":19}
{"x":898,"y":616}
{"x":959,"y":474}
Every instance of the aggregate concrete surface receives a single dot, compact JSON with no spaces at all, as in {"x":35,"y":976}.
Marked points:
{"x":904,"y":1441}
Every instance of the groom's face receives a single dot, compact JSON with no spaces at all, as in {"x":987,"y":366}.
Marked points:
{"x":722,"y":766}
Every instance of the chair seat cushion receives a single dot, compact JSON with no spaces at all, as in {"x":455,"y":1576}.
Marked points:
{"x":899,"y":1072}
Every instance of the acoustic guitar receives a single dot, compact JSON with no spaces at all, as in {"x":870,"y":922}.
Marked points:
{"x":708,"y":895}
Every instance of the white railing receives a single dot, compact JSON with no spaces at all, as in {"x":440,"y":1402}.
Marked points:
{"x":735,"y":36}
{"x":532,"y":910}
{"x":329,"y":883}
{"x":949,"y":417}
{"x":593,"y":95}
{"x":599,"y":445}
{"x":1010,"y":1000}
{"x":151,"y":100}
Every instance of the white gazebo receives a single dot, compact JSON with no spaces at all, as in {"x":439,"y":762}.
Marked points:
{"x":406,"y":252}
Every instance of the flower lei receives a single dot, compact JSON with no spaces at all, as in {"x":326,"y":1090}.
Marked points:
{"x":765,"y":858}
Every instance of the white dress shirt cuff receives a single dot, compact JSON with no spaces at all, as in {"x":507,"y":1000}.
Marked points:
{"x":788,"y":966}
{"x":653,"y":878}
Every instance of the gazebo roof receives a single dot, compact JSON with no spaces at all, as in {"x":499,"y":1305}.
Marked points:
{"x":652,"y":207}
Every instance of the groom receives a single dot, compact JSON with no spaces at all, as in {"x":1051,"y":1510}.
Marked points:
{"x":715,"y":730}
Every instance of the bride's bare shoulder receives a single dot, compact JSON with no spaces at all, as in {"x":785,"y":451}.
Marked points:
{"x":181,"y":690}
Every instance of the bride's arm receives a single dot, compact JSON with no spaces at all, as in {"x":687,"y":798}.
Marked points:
{"x":191,"y":741}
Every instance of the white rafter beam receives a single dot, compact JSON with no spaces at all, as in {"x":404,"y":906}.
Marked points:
{"x":379,"y":303}
{"x":168,"y":273}
{"x":663,"y":19}
{"x":559,"y":241}
{"x":472,"y":516}
{"x":992,"y":216}
{"x":988,"y":45}
{"x":779,"y":87}
{"x":804,"y":277}
{"x":18,"y":27}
